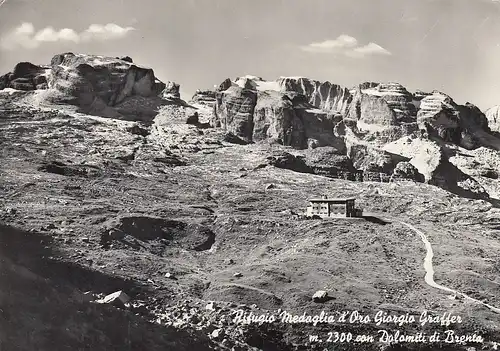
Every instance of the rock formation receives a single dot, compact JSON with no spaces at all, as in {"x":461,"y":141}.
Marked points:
{"x":372,"y":159}
{"x":383,"y":104}
{"x":343,"y":129}
{"x":431,"y":161}
{"x":323,"y":95}
{"x":234,"y":110}
{"x":407,"y":171}
{"x":97,"y":85}
{"x":301,"y":112}
{"x":106,"y":86}
{"x":442,"y":117}
{"x":171,"y":91}
{"x":286,"y":160}
{"x":328,"y":162}
{"x":26,"y":76}
{"x":493,"y":116}
{"x":355,"y":124}
{"x":204,"y":97}
{"x":256,"y":110}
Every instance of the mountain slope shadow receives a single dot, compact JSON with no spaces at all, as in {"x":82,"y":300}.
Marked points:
{"x":42,"y":309}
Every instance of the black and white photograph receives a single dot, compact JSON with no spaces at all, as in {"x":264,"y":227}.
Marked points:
{"x":249,"y":175}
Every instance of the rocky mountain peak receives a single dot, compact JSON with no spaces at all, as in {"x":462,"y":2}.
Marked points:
{"x":97,"y":85}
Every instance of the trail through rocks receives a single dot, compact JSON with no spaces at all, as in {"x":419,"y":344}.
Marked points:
{"x":429,"y":271}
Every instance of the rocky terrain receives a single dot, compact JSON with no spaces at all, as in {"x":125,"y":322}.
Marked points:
{"x":194,"y":210}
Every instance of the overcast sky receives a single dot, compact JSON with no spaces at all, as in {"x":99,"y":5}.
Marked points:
{"x":448,"y":45}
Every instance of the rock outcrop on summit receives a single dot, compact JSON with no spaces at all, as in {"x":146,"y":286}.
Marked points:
{"x":97,"y":85}
{"x":383,"y":104}
{"x":204,"y":97}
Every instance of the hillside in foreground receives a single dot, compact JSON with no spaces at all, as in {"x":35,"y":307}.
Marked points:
{"x":177,"y":216}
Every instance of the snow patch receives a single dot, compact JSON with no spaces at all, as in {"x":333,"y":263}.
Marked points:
{"x":266,"y":85}
{"x":316,"y":111}
{"x":295,"y":78}
{"x":98,"y":62}
{"x":47,"y":72}
{"x":9,"y":91}
{"x":376,"y":92}
{"x":405,"y":146}
{"x":249,"y":76}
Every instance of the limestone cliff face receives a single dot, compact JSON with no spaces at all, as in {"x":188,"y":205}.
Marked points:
{"x":275,"y":118}
{"x":303,"y":113}
{"x":493,"y":116}
{"x":383,"y":104}
{"x":234,"y":110}
{"x":204,"y":97}
{"x":323,"y":95}
{"x":254,"y":110}
{"x":100,"y":85}
{"x":97,"y":85}
{"x":399,"y":100}
{"x":25,"y":76}
{"x":433,"y":163}
{"x":463,"y":125}
{"x":371,"y":109}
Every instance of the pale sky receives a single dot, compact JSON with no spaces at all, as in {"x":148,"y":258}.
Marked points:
{"x":448,"y":45}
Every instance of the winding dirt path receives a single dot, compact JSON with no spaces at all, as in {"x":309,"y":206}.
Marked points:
{"x":429,"y":271}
